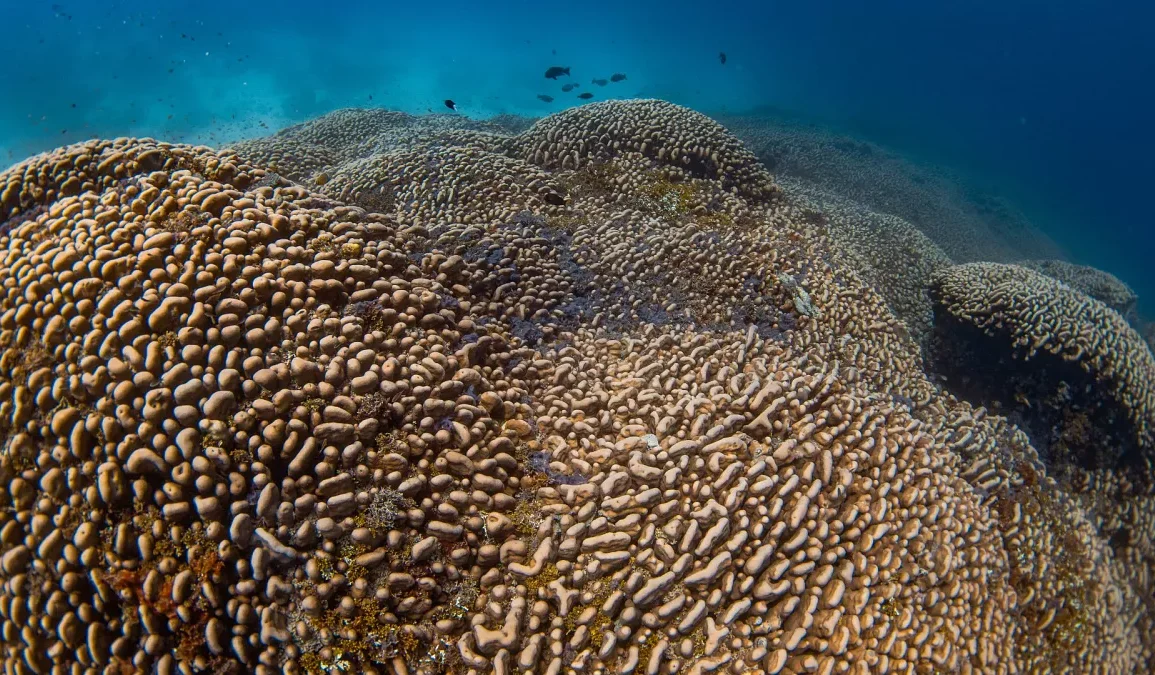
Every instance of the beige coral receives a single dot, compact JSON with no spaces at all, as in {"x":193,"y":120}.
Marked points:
{"x":444,"y":185}
{"x":1103,"y":286}
{"x":966,"y":223}
{"x":655,"y":129}
{"x":1032,"y":315}
{"x":663,"y":427}
{"x":893,"y":256}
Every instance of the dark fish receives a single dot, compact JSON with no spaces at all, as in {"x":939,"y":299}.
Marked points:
{"x":569,"y":87}
{"x":555,"y":72}
{"x":544,"y":98}
{"x":722,"y":57}
{"x":617,"y":77}
{"x":553,"y":51}
{"x":555,"y":199}
{"x":450,"y":104}
{"x":601,"y":83}
{"x":586,"y":95}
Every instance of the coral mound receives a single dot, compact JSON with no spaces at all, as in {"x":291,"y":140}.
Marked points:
{"x":618,"y":416}
{"x":1038,"y":343}
{"x":1103,"y":286}
{"x":449,"y":184}
{"x":892,"y":255}
{"x":383,"y":147}
{"x":967,"y":224}
{"x":651,"y":128}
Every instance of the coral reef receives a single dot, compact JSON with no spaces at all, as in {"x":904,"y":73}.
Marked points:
{"x":890,"y":254}
{"x":968,"y":225}
{"x":1103,"y":286}
{"x":1061,"y":357}
{"x":591,"y":395}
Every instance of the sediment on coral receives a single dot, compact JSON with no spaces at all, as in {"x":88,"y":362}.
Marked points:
{"x":583,"y":396}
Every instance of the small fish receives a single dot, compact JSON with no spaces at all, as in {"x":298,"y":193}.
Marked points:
{"x":600,"y":83}
{"x":450,"y":104}
{"x":555,"y":72}
{"x":722,"y":57}
{"x":545,"y":99}
{"x":555,"y":199}
{"x":553,"y":51}
{"x":586,"y":95}
{"x":569,"y":87}
{"x":617,"y":77}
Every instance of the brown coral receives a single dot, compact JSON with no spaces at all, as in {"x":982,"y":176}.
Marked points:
{"x":890,"y":254}
{"x":1030,"y":340}
{"x":666,"y":426}
{"x":655,"y":129}
{"x":967,"y":224}
{"x":1103,"y":286}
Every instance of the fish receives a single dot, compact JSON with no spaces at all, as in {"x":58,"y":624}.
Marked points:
{"x":600,"y":83}
{"x":450,"y":104}
{"x":617,"y":77}
{"x":722,"y":57}
{"x":555,"y":199}
{"x":569,"y":87}
{"x":545,"y":99}
{"x":555,"y":72}
{"x":586,"y":95}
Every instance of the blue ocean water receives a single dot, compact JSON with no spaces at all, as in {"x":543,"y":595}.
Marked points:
{"x":1050,"y":102}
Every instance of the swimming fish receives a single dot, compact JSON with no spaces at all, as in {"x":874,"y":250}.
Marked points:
{"x":722,"y":57}
{"x":544,"y":98}
{"x":617,"y":77}
{"x":451,"y":105}
{"x":600,"y":83}
{"x":586,"y":95}
{"x":555,"y":72}
{"x":569,"y":87}
{"x":555,"y":199}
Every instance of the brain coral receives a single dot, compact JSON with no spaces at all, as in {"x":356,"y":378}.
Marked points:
{"x":1097,"y":373}
{"x":664,"y":427}
{"x":651,"y":128}
{"x":449,"y":184}
{"x":1103,"y":286}
{"x":892,"y":255}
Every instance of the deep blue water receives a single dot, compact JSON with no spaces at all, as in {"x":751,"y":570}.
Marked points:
{"x":1049,"y":101}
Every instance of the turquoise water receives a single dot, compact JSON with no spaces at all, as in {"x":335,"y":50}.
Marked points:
{"x":1046,"y":101}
